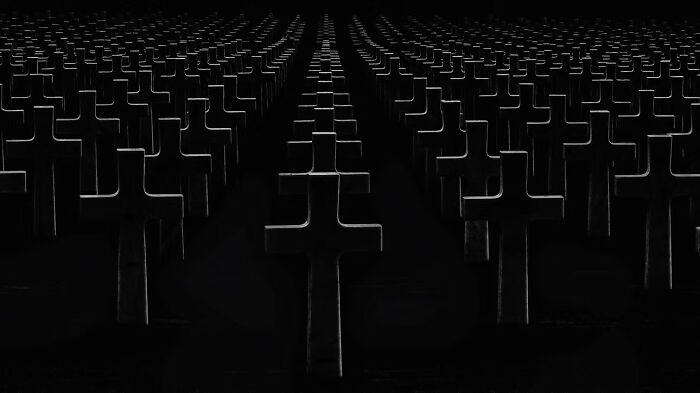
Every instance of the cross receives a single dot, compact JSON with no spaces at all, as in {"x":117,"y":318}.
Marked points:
{"x":380,"y":63}
{"x":539,"y":82}
{"x":65,"y":81}
{"x":634,"y":128}
{"x":413,"y":59}
{"x":106,"y":78}
{"x":232,"y":101}
{"x":323,"y":148}
{"x":22,"y":80}
{"x":658,"y":185}
{"x":87,"y":70}
{"x":429,"y":118}
{"x":516,"y":118}
{"x":180,"y":85}
{"x":513,"y":68}
{"x":134,"y":126}
{"x":473,"y":170}
{"x":634,"y":75}
{"x":44,"y":149}
{"x":7,"y":68}
{"x":467,"y":88}
{"x":677,"y":104}
{"x":441,"y":67}
{"x":199,"y":64}
{"x":686,"y":71}
{"x":660,"y":83}
{"x":167,"y":170}
{"x":601,"y":153}
{"x":134,"y":62}
{"x":447,"y":140}
{"x":325,"y":101}
{"x":91,"y":130}
{"x":606,"y":100}
{"x":450,"y":68}
{"x":11,"y":122}
{"x":258,"y":83}
{"x":488,"y":108}
{"x":271,"y":67}
{"x":131,"y":207}
{"x":169,"y":165}
{"x":35,"y":97}
{"x":395,"y":84}
{"x":560,"y":76}
{"x":13,"y":182}
{"x":556,"y":130}
{"x":159,"y":103}
{"x":688,"y":145}
{"x":512,"y":209}
{"x":199,"y":137}
{"x":220,"y":117}
{"x":324,"y":239}
{"x":586,"y":77}
{"x":414,"y":104}
{"x":324,"y":119}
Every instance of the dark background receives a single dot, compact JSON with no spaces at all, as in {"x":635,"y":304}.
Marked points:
{"x":417,"y":318}
{"x":318,"y":7}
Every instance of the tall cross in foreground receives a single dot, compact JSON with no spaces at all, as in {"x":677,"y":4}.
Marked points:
{"x":324,"y":239}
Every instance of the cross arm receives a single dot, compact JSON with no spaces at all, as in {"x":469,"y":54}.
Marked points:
{"x":219,"y":135}
{"x":165,"y":206}
{"x":302,"y":129}
{"x":350,"y":182}
{"x":67,"y":148}
{"x":238,"y":116}
{"x":546,"y":207}
{"x":13,"y":181}
{"x":538,"y":128}
{"x":632,"y":186}
{"x":623,"y":151}
{"x":345,"y":127}
{"x":351,"y":149}
{"x":22,"y":148}
{"x":197,"y":164}
{"x":285,"y":238}
{"x":106,"y":206}
{"x":482,"y":207}
{"x":686,"y":184}
{"x":577,"y":151}
{"x":429,"y":138}
{"x":448,"y":166}
{"x":13,"y":118}
{"x":362,"y":237}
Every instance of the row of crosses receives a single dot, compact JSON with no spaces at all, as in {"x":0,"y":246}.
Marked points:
{"x":325,"y":118}
{"x":466,"y":128}
{"x":133,"y":173}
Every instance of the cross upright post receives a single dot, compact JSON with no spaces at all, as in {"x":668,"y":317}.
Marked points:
{"x":324,"y":239}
